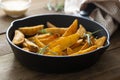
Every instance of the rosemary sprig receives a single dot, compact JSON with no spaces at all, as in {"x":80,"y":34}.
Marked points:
{"x":88,"y":38}
{"x":43,"y":50}
{"x":88,"y":35}
{"x":96,"y":31}
{"x":43,"y":31}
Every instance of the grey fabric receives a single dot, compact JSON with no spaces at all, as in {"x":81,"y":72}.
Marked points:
{"x":107,"y":12}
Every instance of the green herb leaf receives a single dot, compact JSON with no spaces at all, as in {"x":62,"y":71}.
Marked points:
{"x":88,"y":35}
{"x":96,"y":31}
{"x":43,"y":31}
{"x":88,"y":39}
{"x":43,"y":50}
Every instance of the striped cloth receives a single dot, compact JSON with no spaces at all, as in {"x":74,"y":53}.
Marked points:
{"x":107,"y":12}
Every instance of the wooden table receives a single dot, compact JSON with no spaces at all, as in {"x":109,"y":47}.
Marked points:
{"x":107,"y":68}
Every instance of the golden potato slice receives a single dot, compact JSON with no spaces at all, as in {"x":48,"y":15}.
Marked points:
{"x":76,"y":49}
{"x":42,"y":36}
{"x":77,"y":43}
{"x":71,"y":29}
{"x":84,"y":51}
{"x":31,"y":46}
{"x":31,"y":38}
{"x":38,"y":42}
{"x":49,"y":39}
{"x":55,"y":50}
{"x":92,"y":40}
{"x":31,"y":30}
{"x":67,"y":41}
{"x":85,"y":46}
{"x":26,"y":49}
{"x":69,"y":51}
{"x":24,"y":44}
{"x":18,"y":37}
{"x":81,"y":31}
{"x":100,"y":41}
{"x":53,"y":30}
{"x":50,"y":25}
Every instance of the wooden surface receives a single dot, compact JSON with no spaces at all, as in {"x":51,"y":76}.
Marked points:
{"x":107,"y":68}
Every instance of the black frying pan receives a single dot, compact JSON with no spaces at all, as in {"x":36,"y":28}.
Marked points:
{"x":57,"y":63}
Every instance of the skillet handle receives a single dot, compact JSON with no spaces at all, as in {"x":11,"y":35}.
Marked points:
{"x":87,"y":11}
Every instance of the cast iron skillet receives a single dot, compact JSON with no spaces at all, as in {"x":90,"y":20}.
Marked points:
{"x":56,"y":64}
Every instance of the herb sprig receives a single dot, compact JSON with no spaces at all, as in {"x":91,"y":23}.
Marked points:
{"x":43,"y":50}
{"x":88,"y":35}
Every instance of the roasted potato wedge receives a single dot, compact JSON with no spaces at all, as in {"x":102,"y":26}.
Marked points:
{"x":69,"y":51}
{"x":55,"y":50}
{"x":85,"y":46}
{"x":100,"y":41}
{"x":31,"y":46}
{"x":50,"y":25}
{"x":42,"y":36}
{"x":84,"y":51}
{"x":38,"y":42}
{"x":72,"y":28}
{"x":32,"y":30}
{"x":49,"y":39}
{"x":59,"y":31}
{"x":26,"y":49}
{"x":78,"y":43}
{"x":18,"y":37}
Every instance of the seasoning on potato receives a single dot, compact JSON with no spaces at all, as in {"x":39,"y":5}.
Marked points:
{"x":57,"y":41}
{"x":31,"y":30}
{"x":18,"y":37}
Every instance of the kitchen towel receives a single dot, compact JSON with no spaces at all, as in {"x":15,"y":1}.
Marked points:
{"x":107,"y":12}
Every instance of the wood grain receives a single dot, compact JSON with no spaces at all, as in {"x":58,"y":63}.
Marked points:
{"x":4,"y":21}
{"x":115,"y":40}
{"x":4,"y":46}
{"x":107,"y":68}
